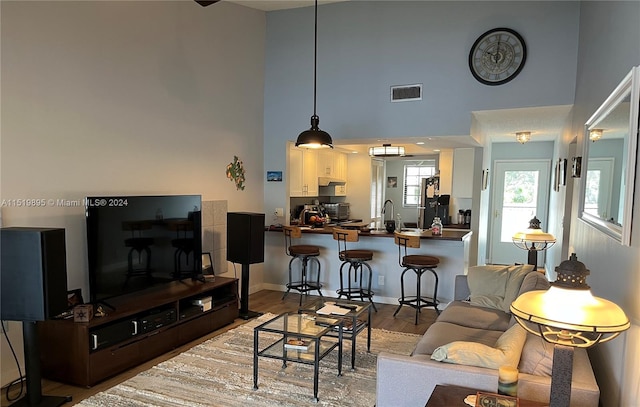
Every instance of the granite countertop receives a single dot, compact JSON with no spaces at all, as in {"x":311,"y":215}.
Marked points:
{"x":447,"y":234}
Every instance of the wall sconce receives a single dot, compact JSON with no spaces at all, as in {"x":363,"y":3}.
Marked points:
{"x":485,"y":178}
{"x":595,"y":134}
{"x":576,"y":167}
{"x":523,"y":136}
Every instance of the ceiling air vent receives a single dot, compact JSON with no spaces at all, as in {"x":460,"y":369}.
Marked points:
{"x":406,"y":93}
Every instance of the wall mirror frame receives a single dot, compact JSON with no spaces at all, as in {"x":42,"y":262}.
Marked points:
{"x":609,"y":162}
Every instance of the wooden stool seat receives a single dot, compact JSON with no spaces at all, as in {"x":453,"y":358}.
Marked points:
{"x":418,"y":260}
{"x":356,"y":260}
{"x":304,"y":250}
{"x":361,"y":255}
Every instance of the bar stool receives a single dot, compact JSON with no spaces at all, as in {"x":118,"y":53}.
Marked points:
{"x":138,"y":243}
{"x":357,"y":261}
{"x":419,"y":264}
{"x":304,"y":253}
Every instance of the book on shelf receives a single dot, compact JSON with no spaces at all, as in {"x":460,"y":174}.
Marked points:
{"x":347,"y":326}
{"x":297,"y":344}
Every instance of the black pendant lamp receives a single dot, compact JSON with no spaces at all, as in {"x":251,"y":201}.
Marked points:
{"x":314,"y":137}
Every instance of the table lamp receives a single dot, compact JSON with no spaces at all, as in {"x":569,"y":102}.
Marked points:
{"x":533,"y":240}
{"x":569,"y":316}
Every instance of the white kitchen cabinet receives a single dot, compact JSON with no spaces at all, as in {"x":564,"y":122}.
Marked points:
{"x":303,"y":172}
{"x":463,"y":173}
{"x":340,"y":161}
{"x":332,"y":164}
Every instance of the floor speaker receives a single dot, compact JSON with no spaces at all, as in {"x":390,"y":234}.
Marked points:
{"x":33,"y":273}
{"x":245,"y":237}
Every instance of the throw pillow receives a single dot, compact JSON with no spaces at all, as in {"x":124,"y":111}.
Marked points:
{"x":516,"y":277}
{"x":537,"y":356}
{"x":506,"y":351}
{"x":487,"y":285}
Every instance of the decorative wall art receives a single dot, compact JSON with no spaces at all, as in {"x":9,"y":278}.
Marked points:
{"x":274,"y":176}
{"x":235,"y":172}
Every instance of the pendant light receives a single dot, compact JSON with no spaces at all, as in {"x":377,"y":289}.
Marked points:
{"x":314,"y":137}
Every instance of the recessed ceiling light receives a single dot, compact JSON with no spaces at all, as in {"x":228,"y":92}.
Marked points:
{"x":420,"y":143}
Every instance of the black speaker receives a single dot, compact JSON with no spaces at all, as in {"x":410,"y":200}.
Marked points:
{"x":33,"y":273}
{"x":245,"y":237}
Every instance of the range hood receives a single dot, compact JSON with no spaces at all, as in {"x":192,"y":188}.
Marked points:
{"x":327,"y":181}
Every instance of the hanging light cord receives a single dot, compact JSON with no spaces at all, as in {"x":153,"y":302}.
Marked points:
{"x":315,"y":57}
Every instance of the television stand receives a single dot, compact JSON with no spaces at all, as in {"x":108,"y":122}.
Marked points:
{"x":144,"y":325}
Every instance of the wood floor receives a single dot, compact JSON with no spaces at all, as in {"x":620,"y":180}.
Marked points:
{"x":263,"y":301}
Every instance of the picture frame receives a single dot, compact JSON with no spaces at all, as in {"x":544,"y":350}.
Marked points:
{"x":274,"y":176}
{"x":392,"y":182}
{"x":484,"y":399}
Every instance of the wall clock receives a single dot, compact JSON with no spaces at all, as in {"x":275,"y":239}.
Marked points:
{"x":497,"y":56}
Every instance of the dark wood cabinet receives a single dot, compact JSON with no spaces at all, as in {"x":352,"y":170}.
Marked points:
{"x":68,"y":349}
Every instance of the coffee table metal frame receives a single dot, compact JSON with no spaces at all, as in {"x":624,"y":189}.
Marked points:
{"x":352,"y":316}
{"x":296,"y":325}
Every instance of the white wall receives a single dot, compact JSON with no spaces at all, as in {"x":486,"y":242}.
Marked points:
{"x":364,"y":47}
{"x":615,"y":274}
{"x":102,"y":98}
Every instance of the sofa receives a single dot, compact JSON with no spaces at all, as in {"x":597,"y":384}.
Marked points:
{"x":473,"y":336}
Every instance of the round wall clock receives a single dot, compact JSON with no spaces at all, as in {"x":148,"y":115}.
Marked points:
{"x":497,"y":56}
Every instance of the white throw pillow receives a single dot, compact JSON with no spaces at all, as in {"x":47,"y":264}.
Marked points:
{"x":506,"y":351}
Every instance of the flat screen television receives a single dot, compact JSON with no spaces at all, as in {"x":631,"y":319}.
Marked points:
{"x":138,"y":242}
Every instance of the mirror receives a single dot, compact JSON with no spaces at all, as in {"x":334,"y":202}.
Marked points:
{"x":609,"y":161}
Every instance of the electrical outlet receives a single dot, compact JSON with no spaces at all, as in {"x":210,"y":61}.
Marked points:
{"x":380,"y":280}
{"x":279,"y":212}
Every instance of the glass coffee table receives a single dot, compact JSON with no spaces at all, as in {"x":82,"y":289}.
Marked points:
{"x":355,"y":317}
{"x":297,"y":339}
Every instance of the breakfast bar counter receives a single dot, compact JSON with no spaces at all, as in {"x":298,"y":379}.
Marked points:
{"x":452,"y":248}
{"x":447,"y":234}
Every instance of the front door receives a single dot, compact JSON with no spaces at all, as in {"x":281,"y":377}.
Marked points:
{"x":521,"y":190}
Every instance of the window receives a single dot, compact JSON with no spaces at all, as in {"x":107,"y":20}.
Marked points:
{"x":413,"y":174}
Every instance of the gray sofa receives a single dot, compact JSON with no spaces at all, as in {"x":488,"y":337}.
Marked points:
{"x":468,"y":339}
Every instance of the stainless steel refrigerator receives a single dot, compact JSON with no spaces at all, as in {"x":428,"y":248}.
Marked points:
{"x":432,"y":204}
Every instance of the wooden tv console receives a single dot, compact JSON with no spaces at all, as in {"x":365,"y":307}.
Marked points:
{"x":144,"y":325}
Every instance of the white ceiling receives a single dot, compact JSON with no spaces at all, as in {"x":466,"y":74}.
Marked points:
{"x":545,"y":123}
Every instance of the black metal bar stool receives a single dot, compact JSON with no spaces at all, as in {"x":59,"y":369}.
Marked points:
{"x":419,"y":264}
{"x":357,"y":261}
{"x":304,"y":253}
{"x":138,"y":243}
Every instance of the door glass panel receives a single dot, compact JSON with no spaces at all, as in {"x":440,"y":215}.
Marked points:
{"x":592,"y":192}
{"x":519,"y":203}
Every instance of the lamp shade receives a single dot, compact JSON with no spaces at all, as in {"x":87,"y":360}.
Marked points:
{"x":585,"y":318}
{"x":567,"y":313}
{"x":533,"y":238}
{"x":314,"y":137}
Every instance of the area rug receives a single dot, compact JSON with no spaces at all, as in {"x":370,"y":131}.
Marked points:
{"x":219,"y":372}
